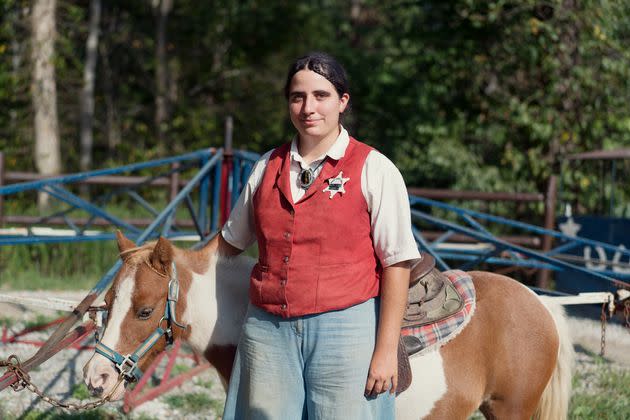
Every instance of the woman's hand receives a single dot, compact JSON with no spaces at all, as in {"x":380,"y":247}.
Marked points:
{"x":383,"y":373}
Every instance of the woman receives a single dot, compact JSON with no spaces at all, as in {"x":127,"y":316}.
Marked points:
{"x":331,"y":217}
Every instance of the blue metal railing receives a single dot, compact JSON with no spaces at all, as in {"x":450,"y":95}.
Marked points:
{"x":204,"y":213}
{"x":518,"y":255}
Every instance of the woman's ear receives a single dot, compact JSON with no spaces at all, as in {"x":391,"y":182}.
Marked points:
{"x":343,"y":102}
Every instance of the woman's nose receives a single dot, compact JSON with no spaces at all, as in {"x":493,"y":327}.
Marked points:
{"x":309,"y":105}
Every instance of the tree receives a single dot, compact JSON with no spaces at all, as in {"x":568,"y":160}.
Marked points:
{"x":161,"y":9}
{"x":87,"y":93}
{"x":44,"y":91}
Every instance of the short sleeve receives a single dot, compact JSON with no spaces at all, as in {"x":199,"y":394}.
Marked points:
{"x":388,"y":203}
{"x":239,"y":230}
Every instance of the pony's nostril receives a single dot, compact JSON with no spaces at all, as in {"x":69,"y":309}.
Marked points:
{"x":98,"y":391}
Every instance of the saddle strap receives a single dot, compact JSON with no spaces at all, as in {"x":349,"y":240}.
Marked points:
{"x":404,"y":368}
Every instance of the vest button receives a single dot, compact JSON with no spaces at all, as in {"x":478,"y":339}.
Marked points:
{"x":283,"y":282}
{"x":285,"y":259}
{"x":283,"y":307}
{"x":291,"y":212}
{"x":286,"y":235}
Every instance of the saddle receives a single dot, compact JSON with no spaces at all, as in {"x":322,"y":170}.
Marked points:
{"x":431,"y":298}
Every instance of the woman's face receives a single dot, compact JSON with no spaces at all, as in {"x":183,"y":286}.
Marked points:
{"x":315,"y":105}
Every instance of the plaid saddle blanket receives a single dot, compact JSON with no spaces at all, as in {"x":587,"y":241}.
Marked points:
{"x":441,"y":332}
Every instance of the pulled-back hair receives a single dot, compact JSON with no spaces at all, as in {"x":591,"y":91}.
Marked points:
{"x":323,"y":64}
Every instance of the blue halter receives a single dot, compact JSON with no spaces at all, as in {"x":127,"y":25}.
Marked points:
{"x":127,"y":366}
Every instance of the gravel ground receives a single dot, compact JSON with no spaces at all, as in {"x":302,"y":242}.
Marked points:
{"x":202,"y":397}
{"x":62,"y":375}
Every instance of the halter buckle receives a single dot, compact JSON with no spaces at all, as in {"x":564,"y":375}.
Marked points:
{"x":127,"y":368}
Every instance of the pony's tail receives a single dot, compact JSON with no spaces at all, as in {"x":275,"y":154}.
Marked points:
{"x":554,"y":403}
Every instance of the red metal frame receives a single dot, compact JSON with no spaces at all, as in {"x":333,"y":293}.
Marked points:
{"x":15,"y":338}
{"x":136,"y":397}
{"x":70,"y":339}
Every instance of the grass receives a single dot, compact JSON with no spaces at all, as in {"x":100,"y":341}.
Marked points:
{"x":96,"y":414}
{"x":208,"y":384}
{"x":608,"y":398}
{"x":63,"y":266}
{"x":179,"y":368}
{"x":68,"y":266}
{"x":80,"y":392}
{"x":194,"y":402}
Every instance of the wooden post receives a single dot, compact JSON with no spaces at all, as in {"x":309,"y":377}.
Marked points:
{"x":1,"y":184}
{"x":226,"y":171}
{"x":229,"y":129}
{"x":174,"y":183}
{"x":550,"y":218}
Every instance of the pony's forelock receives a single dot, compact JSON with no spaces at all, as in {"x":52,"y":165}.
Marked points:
{"x":138,"y":255}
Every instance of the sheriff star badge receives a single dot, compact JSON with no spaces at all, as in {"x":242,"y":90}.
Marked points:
{"x":335,"y":185}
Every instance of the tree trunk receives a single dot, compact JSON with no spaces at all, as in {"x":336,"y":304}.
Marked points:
{"x":111,"y":113}
{"x":112,"y":123}
{"x":87,"y":94}
{"x":17,"y":47}
{"x":162,"y":9}
{"x":44,"y":92}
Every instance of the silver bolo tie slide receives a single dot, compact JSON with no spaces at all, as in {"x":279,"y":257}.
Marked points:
{"x":307,"y":176}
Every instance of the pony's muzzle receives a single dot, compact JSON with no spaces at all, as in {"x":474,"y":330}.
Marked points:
{"x":101,"y":378}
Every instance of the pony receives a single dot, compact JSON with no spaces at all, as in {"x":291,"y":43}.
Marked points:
{"x":512,"y":361}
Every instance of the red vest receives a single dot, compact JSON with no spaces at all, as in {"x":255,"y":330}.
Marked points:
{"x":316,"y":255}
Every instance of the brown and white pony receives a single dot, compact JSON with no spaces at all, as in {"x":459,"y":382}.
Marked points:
{"x":512,"y":361}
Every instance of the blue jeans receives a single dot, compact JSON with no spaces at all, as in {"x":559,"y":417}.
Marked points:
{"x":310,"y":367}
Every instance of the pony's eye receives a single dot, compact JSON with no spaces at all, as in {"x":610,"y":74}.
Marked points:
{"x":145,"y":313}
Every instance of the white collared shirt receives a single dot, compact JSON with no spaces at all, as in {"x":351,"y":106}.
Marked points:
{"x":381,"y":183}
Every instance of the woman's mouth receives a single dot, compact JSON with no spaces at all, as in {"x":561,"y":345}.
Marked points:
{"x":310,"y":123}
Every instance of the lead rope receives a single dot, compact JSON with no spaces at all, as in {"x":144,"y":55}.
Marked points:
{"x":13,"y":364}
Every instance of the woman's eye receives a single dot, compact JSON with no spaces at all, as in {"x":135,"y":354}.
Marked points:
{"x":145,"y":313}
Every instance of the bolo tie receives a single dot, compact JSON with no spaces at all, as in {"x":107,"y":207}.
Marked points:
{"x":307,"y":176}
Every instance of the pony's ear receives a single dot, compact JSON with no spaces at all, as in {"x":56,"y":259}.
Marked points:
{"x":124,"y":244}
{"x":162,"y":255}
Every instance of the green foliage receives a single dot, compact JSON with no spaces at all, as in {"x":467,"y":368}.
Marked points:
{"x":208,"y":384}
{"x":608,"y":398}
{"x":80,"y":392}
{"x":180,"y":368}
{"x":56,"y":266}
{"x":98,"y":414}
{"x":467,"y":94}
{"x":194,"y":402}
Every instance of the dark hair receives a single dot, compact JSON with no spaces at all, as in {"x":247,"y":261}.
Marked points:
{"x":323,"y":64}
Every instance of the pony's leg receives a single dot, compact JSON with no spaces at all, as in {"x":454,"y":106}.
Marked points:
{"x":508,"y":410}
{"x":445,"y":386}
{"x":452,"y":408}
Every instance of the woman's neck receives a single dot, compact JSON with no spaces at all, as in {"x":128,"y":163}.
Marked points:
{"x":310,"y":148}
